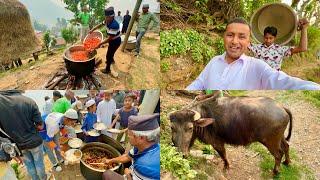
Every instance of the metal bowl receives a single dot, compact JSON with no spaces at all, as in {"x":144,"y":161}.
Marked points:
{"x":96,"y":34}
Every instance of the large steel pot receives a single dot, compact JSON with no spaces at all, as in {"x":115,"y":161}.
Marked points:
{"x":110,"y":141}
{"x":96,"y":174}
{"x":79,"y":68}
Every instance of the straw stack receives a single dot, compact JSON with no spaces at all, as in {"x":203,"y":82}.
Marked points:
{"x":17,"y":36}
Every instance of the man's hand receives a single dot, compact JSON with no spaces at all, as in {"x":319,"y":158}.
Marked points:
{"x":127,"y":171}
{"x":39,"y":126}
{"x":18,"y":160}
{"x":108,"y":161}
{"x":303,"y":23}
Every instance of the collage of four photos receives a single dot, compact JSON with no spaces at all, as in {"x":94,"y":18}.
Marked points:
{"x":159,"y":89}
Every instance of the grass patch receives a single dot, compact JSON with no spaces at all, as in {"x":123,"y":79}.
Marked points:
{"x":313,"y":97}
{"x":294,"y":171}
{"x":237,"y":93}
{"x":202,"y":167}
{"x":313,"y":74}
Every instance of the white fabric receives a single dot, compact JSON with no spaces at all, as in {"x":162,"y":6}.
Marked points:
{"x":105,"y":110}
{"x":52,"y":122}
{"x":246,"y":73}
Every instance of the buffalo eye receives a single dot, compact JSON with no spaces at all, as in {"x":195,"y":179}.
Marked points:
{"x":173,"y":128}
{"x":189,"y":127}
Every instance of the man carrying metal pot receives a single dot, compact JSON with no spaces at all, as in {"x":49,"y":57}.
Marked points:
{"x":272,"y":53}
{"x":114,"y":39}
{"x":143,"y":133}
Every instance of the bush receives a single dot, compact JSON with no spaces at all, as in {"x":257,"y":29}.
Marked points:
{"x":183,"y":42}
{"x":69,"y":34}
{"x":172,"y":161}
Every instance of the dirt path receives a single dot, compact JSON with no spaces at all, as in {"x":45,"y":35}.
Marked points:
{"x":244,"y":163}
{"x":134,"y":73}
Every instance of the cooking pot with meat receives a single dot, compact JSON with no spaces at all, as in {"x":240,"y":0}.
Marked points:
{"x":93,"y":157}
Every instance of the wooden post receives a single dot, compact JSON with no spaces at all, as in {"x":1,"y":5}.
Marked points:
{"x":133,"y":18}
{"x":149,"y":102}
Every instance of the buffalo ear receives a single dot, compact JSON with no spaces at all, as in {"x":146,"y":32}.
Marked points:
{"x":203,"y":122}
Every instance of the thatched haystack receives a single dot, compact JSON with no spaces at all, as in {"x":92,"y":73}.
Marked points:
{"x":17,"y":36}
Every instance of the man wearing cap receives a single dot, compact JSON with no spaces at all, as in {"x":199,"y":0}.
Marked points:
{"x":114,"y":40}
{"x":89,"y":120}
{"x":20,"y":119}
{"x":143,"y":22}
{"x":78,"y":106}
{"x":106,"y":109}
{"x":84,"y":19}
{"x":47,"y":106}
{"x":143,"y":133}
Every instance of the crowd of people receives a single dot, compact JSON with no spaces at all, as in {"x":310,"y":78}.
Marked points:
{"x":36,"y":134}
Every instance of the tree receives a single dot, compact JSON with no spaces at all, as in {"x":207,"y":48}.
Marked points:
{"x":40,"y":27}
{"x":47,"y":41}
{"x":96,"y":9}
{"x":69,"y":34}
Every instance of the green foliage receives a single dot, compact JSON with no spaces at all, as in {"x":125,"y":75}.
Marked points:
{"x":207,"y":149}
{"x":182,"y":42}
{"x":313,"y":38}
{"x":15,"y":167}
{"x":172,"y":5}
{"x":48,"y":40}
{"x":249,"y":6}
{"x":69,"y":34}
{"x":40,"y":27}
{"x":165,"y":66}
{"x":219,"y":45}
{"x":96,"y":8}
{"x":313,"y":97}
{"x":172,"y":161}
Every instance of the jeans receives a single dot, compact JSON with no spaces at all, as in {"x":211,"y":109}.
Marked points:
{"x":139,"y":36}
{"x":33,"y":159}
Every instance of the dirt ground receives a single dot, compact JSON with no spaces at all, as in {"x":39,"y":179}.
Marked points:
{"x":244,"y":163}
{"x":134,"y":72}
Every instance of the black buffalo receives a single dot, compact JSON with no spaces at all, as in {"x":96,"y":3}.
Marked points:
{"x":235,"y":121}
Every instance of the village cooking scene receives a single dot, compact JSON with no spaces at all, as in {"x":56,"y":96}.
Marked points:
{"x":80,"y":134}
{"x":87,"y":44}
{"x":240,"y":134}
{"x":277,"y":39}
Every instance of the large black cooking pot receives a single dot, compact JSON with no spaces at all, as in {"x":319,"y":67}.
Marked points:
{"x":79,"y":68}
{"x":110,"y":141}
{"x":96,"y":174}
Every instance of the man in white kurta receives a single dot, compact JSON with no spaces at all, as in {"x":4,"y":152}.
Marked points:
{"x":105,"y":110}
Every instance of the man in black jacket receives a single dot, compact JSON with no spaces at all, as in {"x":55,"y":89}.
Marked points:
{"x":20,"y":119}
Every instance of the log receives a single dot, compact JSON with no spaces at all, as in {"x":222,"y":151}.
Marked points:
{"x":57,"y":82}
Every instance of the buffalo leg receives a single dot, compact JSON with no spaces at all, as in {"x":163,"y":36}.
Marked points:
{"x":222,"y":152}
{"x":273,"y":146}
{"x":285,"y":148}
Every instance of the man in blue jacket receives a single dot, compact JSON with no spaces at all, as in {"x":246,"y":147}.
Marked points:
{"x":143,"y":133}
